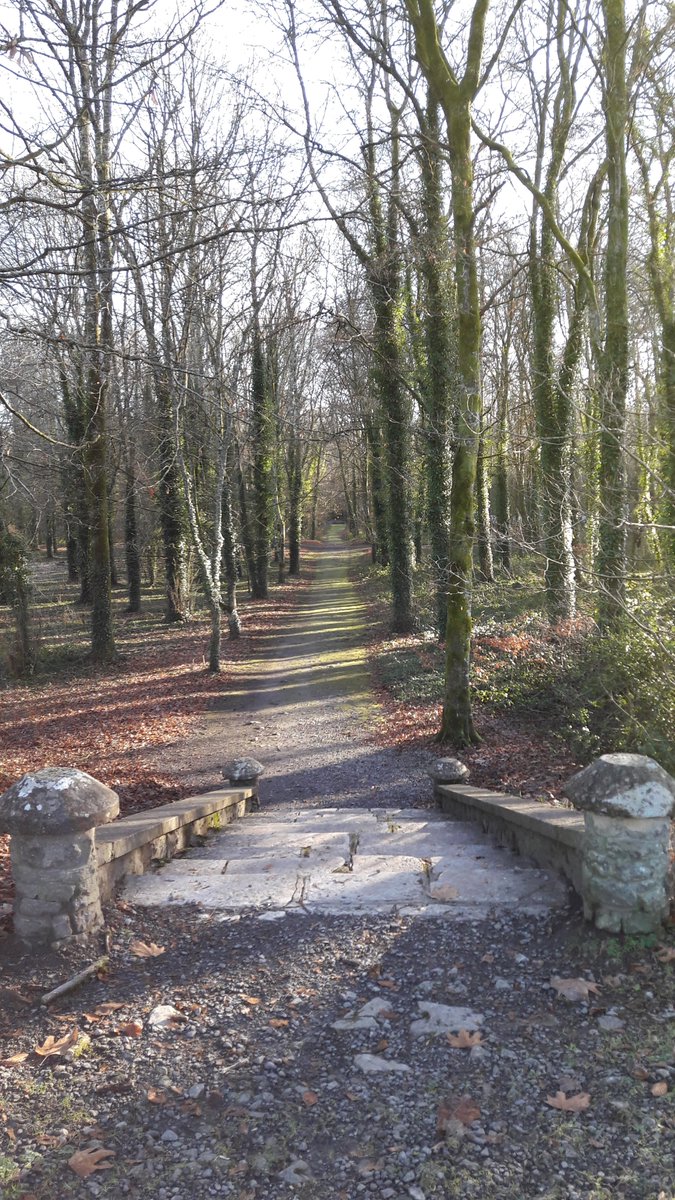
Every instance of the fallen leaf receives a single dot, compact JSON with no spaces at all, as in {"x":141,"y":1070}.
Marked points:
{"x":145,"y":949}
{"x":574,"y":989}
{"x":250,"y":999}
{"x":108,"y":1006}
{"x":569,"y":1103}
{"x":157,"y":1096}
{"x":464,"y":1040}
{"x":666,"y":954}
{"x":387,"y":983}
{"x":381,"y":1046}
{"x":15,"y":1060}
{"x":52,"y":1046}
{"x":488,"y":958}
{"x":310,"y":1098}
{"x":131,"y":1029}
{"x":278,"y":1022}
{"x":659,"y":1089}
{"x":85,"y":1162}
{"x":463,"y":1111}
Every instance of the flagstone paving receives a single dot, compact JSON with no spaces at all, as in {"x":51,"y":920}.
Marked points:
{"x":351,"y":861}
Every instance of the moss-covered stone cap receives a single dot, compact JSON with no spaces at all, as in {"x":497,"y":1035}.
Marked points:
{"x":448,"y":770}
{"x":54,"y":801}
{"x":623,"y":785}
{"x":243,"y":770}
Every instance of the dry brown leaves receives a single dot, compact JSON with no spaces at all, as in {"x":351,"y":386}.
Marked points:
{"x":464,"y":1040}
{"x":452,"y":1115}
{"x":15,"y":1060}
{"x":145,"y":949}
{"x":666,"y":954}
{"x":52,"y":1046}
{"x":85,"y":1162}
{"x":574,"y":989}
{"x":310,"y":1099}
{"x":569,"y":1103}
{"x":659,"y":1089}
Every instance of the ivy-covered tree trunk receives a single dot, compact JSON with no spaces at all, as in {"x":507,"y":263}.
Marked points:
{"x":15,"y":590}
{"x":172,"y":513}
{"x":440,"y":352}
{"x":501,"y":508}
{"x":384,"y":278}
{"x":379,"y":545}
{"x":485,"y":559}
{"x":455,"y":95}
{"x":263,"y":467}
{"x":613,"y":373}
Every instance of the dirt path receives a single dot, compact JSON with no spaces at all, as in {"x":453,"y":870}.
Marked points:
{"x":304,"y":706}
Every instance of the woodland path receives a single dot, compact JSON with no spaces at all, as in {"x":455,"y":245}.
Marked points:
{"x":343,"y":827}
{"x":303,"y":706}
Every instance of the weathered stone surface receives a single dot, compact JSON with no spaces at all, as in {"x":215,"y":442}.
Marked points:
{"x":438,"y":1019}
{"x":243,"y":770}
{"x":623,"y":785}
{"x":52,"y":817}
{"x":448,"y":770}
{"x":56,"y":800}
{"x":625,"y":871}
{"x":298,"y":864}
{"x":372,"y":1064}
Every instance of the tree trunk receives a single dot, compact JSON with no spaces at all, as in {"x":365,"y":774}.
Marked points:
{"x":613,"y":373}
{"x":485,"y":562}
{"x":131,"y":546}
{"x":380,"y":547}
{"x":500,"y":481}
{"x":295,"y":506}
{"x":230,"y":557}
{"x":172,"y":518}
{"x":263,"y":453}
{"x":438,"y":327}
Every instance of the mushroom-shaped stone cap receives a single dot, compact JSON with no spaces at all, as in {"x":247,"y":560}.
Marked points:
{"x":448,"y":770}
{"x":55,"y":801}
{"x":243,"y":770}
{"x":623,"y":785}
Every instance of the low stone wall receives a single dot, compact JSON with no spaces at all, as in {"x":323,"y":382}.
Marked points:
{"x":132,"y":844}
{"x":553,"y":837}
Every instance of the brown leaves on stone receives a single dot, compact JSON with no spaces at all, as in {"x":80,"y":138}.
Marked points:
{"x":574,"y":989}
{"x":53,"y":1046}
{"x":454,"y":1114}
{"x":572,"y":1104}
{"x":145,"y":949}
{"x":464,"y":1040}
{"x":85,"y":1162}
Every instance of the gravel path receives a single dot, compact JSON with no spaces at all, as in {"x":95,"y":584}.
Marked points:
{"x":303,"y":708}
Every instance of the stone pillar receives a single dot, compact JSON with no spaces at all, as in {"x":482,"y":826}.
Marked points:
{"x":447,"y":770}
{"x":52,"y":816}
{"x":627,"y":800}
{"x":245,"y":772}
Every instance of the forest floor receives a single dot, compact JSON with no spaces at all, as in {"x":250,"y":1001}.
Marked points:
{"x":244,"y":1088}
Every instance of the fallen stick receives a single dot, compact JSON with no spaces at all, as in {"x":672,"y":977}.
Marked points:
{"x":76,"y":980}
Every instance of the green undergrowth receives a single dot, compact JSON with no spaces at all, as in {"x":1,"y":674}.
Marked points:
{"x":597,"y":693}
